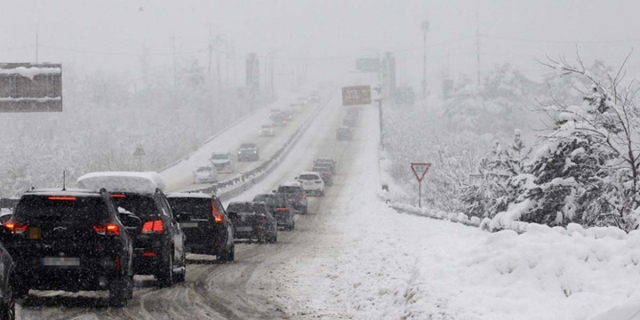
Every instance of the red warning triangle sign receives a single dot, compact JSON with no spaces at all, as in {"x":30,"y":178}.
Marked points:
{"x":420,"y":169}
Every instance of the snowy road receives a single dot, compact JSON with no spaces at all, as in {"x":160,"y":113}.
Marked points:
{"x":180,"y":176}
{"x":240,"y":290}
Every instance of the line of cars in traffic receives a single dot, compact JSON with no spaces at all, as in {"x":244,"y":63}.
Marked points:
{"x":349,"y":122}
{"x":222,"y":162}
{"x":119,"y":224}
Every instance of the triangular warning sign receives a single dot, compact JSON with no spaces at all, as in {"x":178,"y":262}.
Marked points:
{"x":420,"y":169}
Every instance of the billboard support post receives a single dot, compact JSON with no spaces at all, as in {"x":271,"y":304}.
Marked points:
{"x":420,"y":170}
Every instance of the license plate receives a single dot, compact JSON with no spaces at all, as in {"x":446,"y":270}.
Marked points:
{"x":188,"y":224}
{"x":35,"y":233}
{"x":60,"y":261}
{"x":244,"y":229}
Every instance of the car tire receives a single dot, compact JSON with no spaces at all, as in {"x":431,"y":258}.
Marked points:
{"x":120,"y":291}
{"x":292,"y":226}
{"x":165,"y":277}
{"x":181,"y":276}
{"x":227,"y":255}
{"x":20,"y":291}
{"x":8,"y":312}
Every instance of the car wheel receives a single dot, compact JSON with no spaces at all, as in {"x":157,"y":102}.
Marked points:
{"x":9,"y":310}
{"x":292,"y":226}
{"x":182,"y":276}
{"x":165,"y":277}
{"x":120,"y":290}
{"x":20,"y":291}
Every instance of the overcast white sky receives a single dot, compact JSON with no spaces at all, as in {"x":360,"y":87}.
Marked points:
{"x":111,"y":34}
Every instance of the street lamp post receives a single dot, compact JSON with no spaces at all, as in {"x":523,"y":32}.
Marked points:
{"x":425,"y":28}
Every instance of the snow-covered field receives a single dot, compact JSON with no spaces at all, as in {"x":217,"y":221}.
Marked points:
{"x":371,"y":262}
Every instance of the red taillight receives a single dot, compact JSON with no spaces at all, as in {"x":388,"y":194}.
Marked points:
{"x":15,"y":227}
{"x":302,"y":196}
{"x":217,"y":216}
{"x":62,"y":198}
{"x":149,"y":254}
{"x":118,"y":195}
{"x":109,"y":229}
{"x":282,"y":209}
{"x":154,"y":226}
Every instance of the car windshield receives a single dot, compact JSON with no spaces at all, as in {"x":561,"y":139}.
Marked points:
{"x":62,"y":209}
{"x":198,"y":208}
{"x":247,"y":145}
{"x":271,"y":199}
{"x":205,"y":169}
{"x":220,"y":156}
{"x":266,"y":126}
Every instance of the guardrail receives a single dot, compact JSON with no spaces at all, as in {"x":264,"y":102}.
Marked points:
{"x":233,"y":187}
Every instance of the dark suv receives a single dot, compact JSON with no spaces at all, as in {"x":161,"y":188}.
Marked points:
{"x":295,"y":195}
{"x":205,"y":224}
{"x":159,"y":243}
{"x":280,"y":208}
{"x":252,"y":220}
{"x":248,"y":152}
{"x":71,"y":240}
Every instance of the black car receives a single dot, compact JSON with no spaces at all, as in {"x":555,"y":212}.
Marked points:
{"x":205,"y":223}
{"x":280,"y":208}
{"x":248,"y":152}
{"x":344,"y":133}
{"x":349,"y":121}
{"x":325,"y":173}
{"x":71,"y":240}
{"x":159,"y":242}
{"x":326,"y":162}
{"x":7,"y":301}
{"x":252,"y":220}
{"x":295,"y":195}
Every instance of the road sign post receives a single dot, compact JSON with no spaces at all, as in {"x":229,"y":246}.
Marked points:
{"x":420,"y":170}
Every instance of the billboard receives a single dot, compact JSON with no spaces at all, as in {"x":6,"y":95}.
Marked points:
{"x":356,"y":95}
{"x":368,"y":65}
{"x":26,"y":87}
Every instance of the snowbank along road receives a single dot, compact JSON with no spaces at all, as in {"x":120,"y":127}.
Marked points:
{"x":244,"y":289}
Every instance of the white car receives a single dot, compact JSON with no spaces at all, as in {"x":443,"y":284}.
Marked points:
{"x":222,"y":161}
{"x":311,"y":183}
{"x":266,"y":131}
{"x":205,"y":174}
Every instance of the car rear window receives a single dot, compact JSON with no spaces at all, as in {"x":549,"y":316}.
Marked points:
{"x":289,"y":189}
{"x":199,"y":208}
{"x":321,"y":169}
{"x":245,"y":207}
{"x":308,"y":177}
{"x":143,"y":206}
{"x":205,"y":169}
{"x":57,"y":209}
{"x":271,"y":199}
{"x":220,"y":156}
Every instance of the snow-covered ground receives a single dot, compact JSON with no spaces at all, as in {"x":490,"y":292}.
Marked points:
{"x":370,"y":262}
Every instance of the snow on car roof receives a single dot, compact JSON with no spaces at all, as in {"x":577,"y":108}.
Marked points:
{"x":189,"y":195}
{"x":124,"y":181}
{"x":291,"y":184}
{"x":310,"y":172}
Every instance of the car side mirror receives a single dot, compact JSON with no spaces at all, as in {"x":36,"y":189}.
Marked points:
{"x":273,"y":191}
{"x":180,"y":216}
{"x":130,"y":222}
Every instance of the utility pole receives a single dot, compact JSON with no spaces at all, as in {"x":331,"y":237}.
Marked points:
{"x":226,"y":58}
{"x":210,"y":51}
{"x":233,"y":59}
{"x":425,"y":28}
{"x":218,"y":75}
{"x":37,"y":44}
{"x":478,"y":44}
{"x":173,"y":46}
